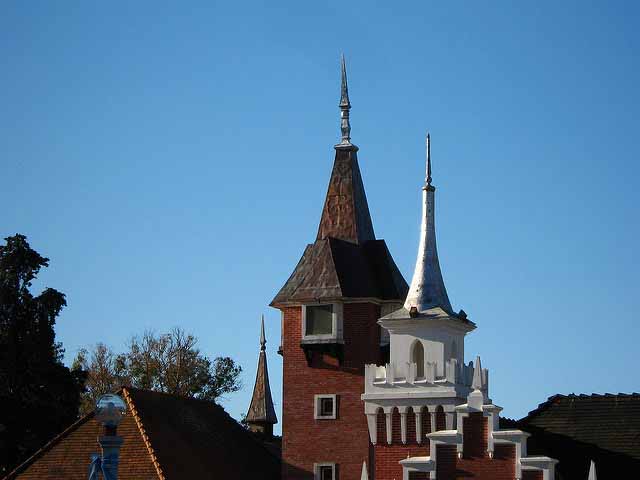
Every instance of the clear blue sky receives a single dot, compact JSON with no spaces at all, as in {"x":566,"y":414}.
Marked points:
{"x":172,"y":161}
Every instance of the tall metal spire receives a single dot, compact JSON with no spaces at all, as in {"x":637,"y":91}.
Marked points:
{"x":345,"y":106}
{"x":427,"y":288}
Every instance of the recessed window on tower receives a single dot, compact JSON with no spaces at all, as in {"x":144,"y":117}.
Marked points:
{"x":325,"y":407}
{"x":319,"y":320}
{"x":325,"y":471}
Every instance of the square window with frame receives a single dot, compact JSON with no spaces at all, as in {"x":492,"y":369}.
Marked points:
{"x":325,"y":471}
{"x":319,"y":320}
{"x":326,"y":407}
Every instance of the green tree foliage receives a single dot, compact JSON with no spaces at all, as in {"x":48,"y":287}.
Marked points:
{"x":169,"y":363}
{"x":39,"y":396}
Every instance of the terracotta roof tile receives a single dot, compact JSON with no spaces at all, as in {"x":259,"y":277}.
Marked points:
{"x":165,"y":436}
{"x":68,"y":455}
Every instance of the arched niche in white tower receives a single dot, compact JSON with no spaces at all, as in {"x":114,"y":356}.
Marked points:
{"x":440,"y":335}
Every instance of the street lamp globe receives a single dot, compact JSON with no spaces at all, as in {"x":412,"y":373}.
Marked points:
{"x":110,"y":409}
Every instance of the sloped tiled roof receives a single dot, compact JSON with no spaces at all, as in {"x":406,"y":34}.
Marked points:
{"x":577,"y":428}
{"x":165,"y":437}
{"x":345,"y":214}
{"x":346,"y":260}
{"x":333,"y":269}
{"x":261,"y":409}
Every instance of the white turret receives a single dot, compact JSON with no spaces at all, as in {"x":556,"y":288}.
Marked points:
{"x":426,"y":372}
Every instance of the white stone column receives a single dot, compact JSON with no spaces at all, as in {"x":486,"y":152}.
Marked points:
{"x":449,"y":419}
{"x":418,"y":414}
{"x":433,"y":421}
{"x":372,"y":423}
{"x":403,"y":423}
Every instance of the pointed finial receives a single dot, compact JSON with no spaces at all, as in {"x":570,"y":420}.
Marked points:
{"x":428,"y":159}
{"x":263,"y":341}
{"x":345,"y":106}
{"x":592,"y":471}
{"x":477,"y":375}
{"x":344,"y":88}
{"x":365,"y":474}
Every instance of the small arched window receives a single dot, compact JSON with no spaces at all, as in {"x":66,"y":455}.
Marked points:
{"x":454,"y":350}
{"x":417,"y":357}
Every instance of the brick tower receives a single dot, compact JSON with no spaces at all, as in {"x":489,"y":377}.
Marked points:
{"x":344,"y":282}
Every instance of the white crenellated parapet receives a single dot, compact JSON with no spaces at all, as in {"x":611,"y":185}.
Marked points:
{"x":379,"y":377}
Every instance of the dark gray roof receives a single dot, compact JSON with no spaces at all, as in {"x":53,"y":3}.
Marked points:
{"x":261,"y":409}
{"x":334,"y":269}
{"x":576,"y":429}
{"x":346,"y":260}
{"x":345,"y":214}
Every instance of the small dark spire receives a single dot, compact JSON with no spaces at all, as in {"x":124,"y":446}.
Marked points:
{"x":345,"y":106}
{"x":263,"y":341}
{"x":344,"y":88}
{"x":261,"y":415}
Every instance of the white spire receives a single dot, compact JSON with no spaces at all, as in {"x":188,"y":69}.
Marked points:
{"x":592,"y":471}
{"x":365,"y":475}
{"x":477,"y":383}
{"x":427,"y":288}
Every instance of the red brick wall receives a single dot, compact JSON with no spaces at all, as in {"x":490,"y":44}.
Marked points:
{"x":381,"y":427}
{"x":425,"y":420}
{"x":345,"y":440}
{"x":475,"y":462}
{"x":387,"y":458}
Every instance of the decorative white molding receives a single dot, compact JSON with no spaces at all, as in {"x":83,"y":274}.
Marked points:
{"x":418,"y":415}
{"x":372,"y":423}
{"x":545,"y":464}
{"x":416,"y":464}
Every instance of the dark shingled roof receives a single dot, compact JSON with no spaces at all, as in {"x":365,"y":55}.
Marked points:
{"x":332,"y":269}
{"x":345,"y":261}
{"x":346,"y":213}
{"x":165,"y":437}
{"x":261,"y":408}
{"x":576,"y":429}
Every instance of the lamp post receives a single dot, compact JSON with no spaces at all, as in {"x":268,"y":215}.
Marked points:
{"x":109,"y":411}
